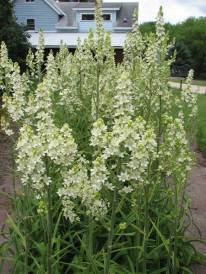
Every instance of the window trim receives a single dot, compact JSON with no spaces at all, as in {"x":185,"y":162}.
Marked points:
{"x":92,"y":13}
{"x":27,"y":24}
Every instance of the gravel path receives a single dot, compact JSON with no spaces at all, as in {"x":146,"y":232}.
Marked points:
{"x":196,"y":191}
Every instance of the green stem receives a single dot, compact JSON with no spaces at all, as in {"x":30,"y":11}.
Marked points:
{"x":137,"y":239}
{"x":146,"y":229}
{"x":26,"y":231}
{"x":175,"y":232}
{"x":49,"y":225}
{"x":111,"y":234}
{"x":137,"y":244}
{"x":169,"y":256}
{"x":97,"y":93}
{"x":160,"y":124}
{"x":49,"y":236}
{"x":26,"y":257}
{"x":90,"y":237}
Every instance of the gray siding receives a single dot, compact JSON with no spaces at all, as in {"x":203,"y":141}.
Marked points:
{"x":45,"y":17}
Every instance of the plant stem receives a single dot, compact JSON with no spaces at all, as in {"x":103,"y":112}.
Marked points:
{"x":90,"y":237}
{"x":137,"y":240}
{"x":97,"y":92}
{"x":146,"y":229}
{"x":159,"y":126}
{"x":49,"y":237}
{"x":49,"y":225}
{"x":137,"y":244}
{"x":111,"y":233}
{"x":176,"y":224}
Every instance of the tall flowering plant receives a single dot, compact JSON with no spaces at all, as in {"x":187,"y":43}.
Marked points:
{"x":102,"y":157}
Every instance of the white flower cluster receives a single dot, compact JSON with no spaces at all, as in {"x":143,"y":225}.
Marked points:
{"x":36,"y":148}
{"x":78,"y":185}
{"x":175,"y":156}
{"x":6,"y":67}
{"x":123,"y":100}
{"x":130,"y":143}
{"x":160,"y":29}
{"x":16,"y":103}
{"x":189,"y":98}
{"x":134,"y":44}
{"x":39,"y":54}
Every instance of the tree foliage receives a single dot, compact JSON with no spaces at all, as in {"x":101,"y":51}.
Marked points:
{"x":12,"y":33}
{"x":190,"y":37}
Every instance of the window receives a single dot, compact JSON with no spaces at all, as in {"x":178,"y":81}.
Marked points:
{"x":106,"y":17}
{"x":29,"y":1}
{"x":30,"y":24}
{"x":87,"y":17}
{"x":91,"y":17}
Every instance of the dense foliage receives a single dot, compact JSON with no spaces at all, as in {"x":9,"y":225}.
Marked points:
{"x":190,"y":37}
{"x":12,"y":33}
{"x":102,"y":158}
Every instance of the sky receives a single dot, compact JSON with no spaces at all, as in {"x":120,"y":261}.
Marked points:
{"x":174,"y":10}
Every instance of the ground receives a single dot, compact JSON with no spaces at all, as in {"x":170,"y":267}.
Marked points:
{"x":196,"y":191}
{"x":201,"y":89}
{"x":5,"y":183}
{"x":194,"y":82}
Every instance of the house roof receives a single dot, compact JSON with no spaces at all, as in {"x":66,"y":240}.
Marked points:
{"x":53,"y":5}
{"x":124,"y":12}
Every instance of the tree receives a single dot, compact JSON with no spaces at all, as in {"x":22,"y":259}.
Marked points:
{"x":190,"y":37}
{"x":12,"y":33}
{"x":183,"y":62}
{"x":192,"y":33}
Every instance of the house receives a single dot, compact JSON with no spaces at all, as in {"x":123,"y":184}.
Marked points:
{"x":66,"y":21}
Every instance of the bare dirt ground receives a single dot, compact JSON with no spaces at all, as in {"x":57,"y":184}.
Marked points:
{"x":5,"y":184}
{"x":196,"y":191}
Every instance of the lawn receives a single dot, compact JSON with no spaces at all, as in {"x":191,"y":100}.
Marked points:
{"x":201,"y":123}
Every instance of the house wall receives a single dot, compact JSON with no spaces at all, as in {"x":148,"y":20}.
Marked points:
{"x":85,"y":26}
{"x":45,"y":17}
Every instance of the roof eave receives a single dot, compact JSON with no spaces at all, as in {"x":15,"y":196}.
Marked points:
{"x":55,"y":8}
{"x":88,"y":9}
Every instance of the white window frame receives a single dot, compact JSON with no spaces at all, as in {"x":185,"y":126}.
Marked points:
{"x":92,"y":13}
{"x":34,"y":24}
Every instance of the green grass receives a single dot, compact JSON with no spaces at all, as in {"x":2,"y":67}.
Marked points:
{"x":194,"y":82}
{"x":201,"y":124}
